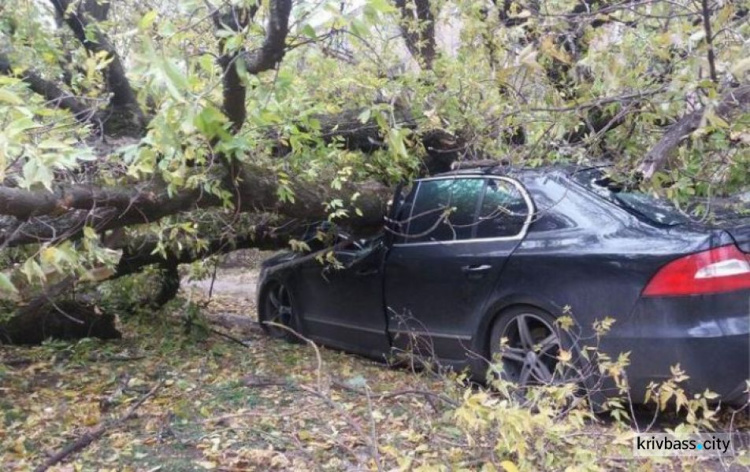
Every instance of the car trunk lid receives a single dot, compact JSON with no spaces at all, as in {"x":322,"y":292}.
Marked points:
{"x":736,"y":223}
{"x":741,"y":235}
{"x":730,"y":214}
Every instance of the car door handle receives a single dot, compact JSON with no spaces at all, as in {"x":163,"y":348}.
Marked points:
{"x":366,"y":272}
{"x":476,"y":268}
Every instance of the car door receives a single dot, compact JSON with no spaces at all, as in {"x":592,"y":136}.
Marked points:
{"x":344,"y":298}
{"x":440,"y":271}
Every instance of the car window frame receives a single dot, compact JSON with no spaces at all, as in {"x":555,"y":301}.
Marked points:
{"x":522,"y":190}
{"x":413,"y":203}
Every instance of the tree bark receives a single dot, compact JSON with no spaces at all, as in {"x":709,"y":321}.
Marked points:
{"x":52,"y":315}
{"x":63,"y":321}
{"x":52,"y":216}
{"x":418,"y":30}
{"x":128,"y":118}
{"x":658,"y":157}
{"x":274,"y":45}
{"x":54,"y":94}
{"x":140,"y":254}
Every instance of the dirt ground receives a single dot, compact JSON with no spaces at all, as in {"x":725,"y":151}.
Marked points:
{"x":237,"y":401}
{"x":259,"y":405}
{"x":233,"y":283}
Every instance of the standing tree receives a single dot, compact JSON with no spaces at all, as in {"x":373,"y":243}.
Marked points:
{"x":148,"y":132}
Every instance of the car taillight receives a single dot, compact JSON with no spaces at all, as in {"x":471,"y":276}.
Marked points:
{"x":723,"y":269}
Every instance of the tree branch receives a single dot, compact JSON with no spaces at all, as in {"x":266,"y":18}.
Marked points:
{"x":55,"y":95}
{"x":24,"y":204}
{"x":95,"y":41}
{"x":658,"y":156}
{"x":95,"y":433}
{"x":706,"y":17}
{"x":274,"y":46}
{"x":233,"y":90}
{"x":140,"y":254}
{"x":62,"y":214}
{"x":418,"y":30}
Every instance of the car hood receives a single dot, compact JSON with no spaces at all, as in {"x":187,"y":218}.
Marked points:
{"x":279,"y":258}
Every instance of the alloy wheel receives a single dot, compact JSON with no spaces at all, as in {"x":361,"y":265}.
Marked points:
{"x":531,"y":351}
{"x":278,"y":311}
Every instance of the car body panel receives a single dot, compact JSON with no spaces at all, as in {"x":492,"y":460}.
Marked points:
{"x":740,"y":232}
{"x":428,"y":290}
{"x":434,"y":289}
{"x":580,"y":255}
{"x":708,"y":336}
{"x":344,"y":307}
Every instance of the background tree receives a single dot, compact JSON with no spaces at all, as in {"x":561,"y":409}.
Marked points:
{"x":145,"y":132}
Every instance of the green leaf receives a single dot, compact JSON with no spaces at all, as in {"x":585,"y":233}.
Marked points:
{"x":358,"y":27}
{"x":210,"y":121}
{"x":34,"y":172}
{"x":364,"y":117}
{"x":32,"y":270}
{"x":176,"y":81}
{"x":18,"y":126}
{"x":147,"y":20}
{"x":6,"y":286}
{"x":309,"y":31}
{"x":381,"y":6}
{"x":89,"y":233}
{"x":7,"y":96}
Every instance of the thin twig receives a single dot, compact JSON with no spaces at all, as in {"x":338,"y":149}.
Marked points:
{"x":228,"y":336}
{"x":398,"y":393}
{"x":96,"y":433}
{"x":319,"y":358}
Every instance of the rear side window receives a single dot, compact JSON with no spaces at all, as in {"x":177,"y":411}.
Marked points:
{"x":503,"y":211}
{"x":444,"y":210}
{"x":645,"y":207}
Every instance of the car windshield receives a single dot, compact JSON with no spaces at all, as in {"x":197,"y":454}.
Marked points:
{"x":653,"y":209}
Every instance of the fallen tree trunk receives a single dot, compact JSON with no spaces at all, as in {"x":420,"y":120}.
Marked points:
{"x":53,"y":314}
{"x":40,"y":215}
{"x":65,"y":320}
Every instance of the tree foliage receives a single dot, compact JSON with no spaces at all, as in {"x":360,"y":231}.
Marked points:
{"x":143,"y":131}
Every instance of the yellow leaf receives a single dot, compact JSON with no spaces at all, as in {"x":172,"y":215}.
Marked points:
{"x":549,"y":48}
{"x":91,"y":419}
{"x":18,"y":445}
{"x":99,"y":273}
{"x":564,"y":356}
{"x":206,"y":464}
{"x":49,"y":255}
{"x":509,"y":466}
{"x":741,"y":66}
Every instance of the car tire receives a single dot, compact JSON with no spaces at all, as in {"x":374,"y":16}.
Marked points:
{"x":533,"y":341}
{"x":276,"y":314}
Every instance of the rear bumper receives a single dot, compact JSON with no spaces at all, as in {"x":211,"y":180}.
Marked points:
{"x":707,"y":335}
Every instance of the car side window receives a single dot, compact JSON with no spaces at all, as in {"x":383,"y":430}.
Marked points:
{"x":503,"y":210}
{"x":444,"y":210}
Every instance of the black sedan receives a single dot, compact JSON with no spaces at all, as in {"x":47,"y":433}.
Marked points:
{"x":473,"y":257}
